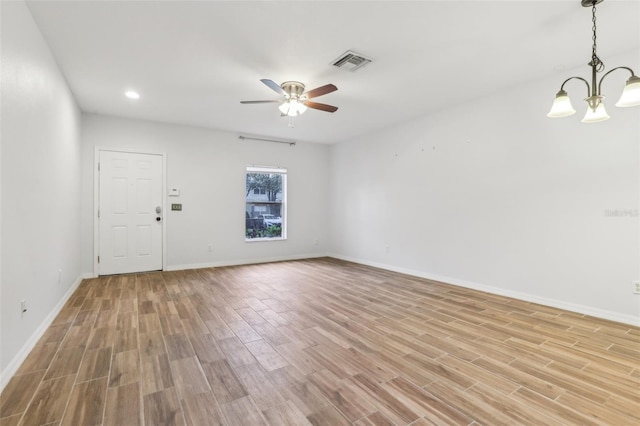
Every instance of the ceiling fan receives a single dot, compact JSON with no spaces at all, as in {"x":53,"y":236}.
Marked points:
{"x":295,"y":100}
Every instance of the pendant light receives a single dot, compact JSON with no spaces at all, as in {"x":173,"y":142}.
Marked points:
{"x":595,"y":107}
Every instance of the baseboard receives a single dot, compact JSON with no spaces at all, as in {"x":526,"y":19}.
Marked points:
{"x":22,"y":354}
{"x":581,"y":309}
{"x":242,"y":262}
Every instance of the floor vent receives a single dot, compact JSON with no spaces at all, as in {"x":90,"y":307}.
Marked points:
{"x":351,"y":61}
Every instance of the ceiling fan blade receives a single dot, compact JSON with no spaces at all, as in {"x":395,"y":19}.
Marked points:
{"x":321,"y":107}
{"x":259,"y":102}
{"x":273,"y":86}
{"x":319,"y":91}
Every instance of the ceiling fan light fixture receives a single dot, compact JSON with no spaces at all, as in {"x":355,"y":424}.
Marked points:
{"x":292,"y":108}
{"x":301,"y":107}
{"x":132,"y":94}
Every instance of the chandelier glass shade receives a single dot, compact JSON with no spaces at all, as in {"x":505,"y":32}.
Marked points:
{"x":596,"y":115}
{"x":631,"y":93}
{"x":596,"y":111}
{"x":561,"y":106}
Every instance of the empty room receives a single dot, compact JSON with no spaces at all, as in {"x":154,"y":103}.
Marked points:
{"x":320,"y":212}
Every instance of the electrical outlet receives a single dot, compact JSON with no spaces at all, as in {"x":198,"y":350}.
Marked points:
{"x":636,"y":287}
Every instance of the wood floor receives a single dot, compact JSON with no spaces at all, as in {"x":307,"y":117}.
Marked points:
{"x":320,"y":342}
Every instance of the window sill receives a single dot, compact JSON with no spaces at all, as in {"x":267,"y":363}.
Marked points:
{"x":251,"y":240}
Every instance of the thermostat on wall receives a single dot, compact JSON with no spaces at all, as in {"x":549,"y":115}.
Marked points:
{"x":174,"y":192}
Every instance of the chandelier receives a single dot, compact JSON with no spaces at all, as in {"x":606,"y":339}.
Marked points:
{"x":595,"y":107}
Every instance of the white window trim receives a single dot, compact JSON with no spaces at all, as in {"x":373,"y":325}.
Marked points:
{"x":273,"y":170}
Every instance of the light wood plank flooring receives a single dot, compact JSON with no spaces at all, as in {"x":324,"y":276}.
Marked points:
{"x":320,"y":342}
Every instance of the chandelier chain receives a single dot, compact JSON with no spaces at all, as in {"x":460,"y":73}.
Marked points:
{"x":595,"y":60}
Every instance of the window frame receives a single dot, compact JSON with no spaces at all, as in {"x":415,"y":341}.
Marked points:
{"x":283,"y":202}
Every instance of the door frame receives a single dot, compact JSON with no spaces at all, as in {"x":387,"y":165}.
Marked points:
{"x":96,"y":202}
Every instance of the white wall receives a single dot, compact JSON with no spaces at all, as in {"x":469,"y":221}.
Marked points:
{"x":496,"y":196}
{"x":40,"y":187}
{"x":208,"y":167}
{"x":490,"y":195}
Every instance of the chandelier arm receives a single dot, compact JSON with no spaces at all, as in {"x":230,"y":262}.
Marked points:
{"x":578,"y":78}
{"x":610,"y":71}
{"x":630,"y":97}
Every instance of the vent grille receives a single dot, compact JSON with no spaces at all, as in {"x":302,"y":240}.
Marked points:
{"x":351,"y":61}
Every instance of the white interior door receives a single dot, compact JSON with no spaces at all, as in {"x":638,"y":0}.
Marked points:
{"x":130,"y":212}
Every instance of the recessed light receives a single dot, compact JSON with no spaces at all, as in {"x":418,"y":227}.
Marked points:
{"x":131,"y":94}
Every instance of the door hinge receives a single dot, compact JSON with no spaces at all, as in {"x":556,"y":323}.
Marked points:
{"x":98,"y":259}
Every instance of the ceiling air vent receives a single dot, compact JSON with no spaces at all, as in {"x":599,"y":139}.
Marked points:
{"x":351,"y":61}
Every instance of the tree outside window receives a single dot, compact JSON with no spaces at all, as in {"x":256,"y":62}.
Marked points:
{"x":265,"y":203}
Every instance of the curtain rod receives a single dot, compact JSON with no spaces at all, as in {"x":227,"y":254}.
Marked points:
{"x":290,"y":143}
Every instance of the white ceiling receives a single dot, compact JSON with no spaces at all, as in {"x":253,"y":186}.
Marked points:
{"x":193,"y":61}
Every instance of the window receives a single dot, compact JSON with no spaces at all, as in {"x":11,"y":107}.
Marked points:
{"x":265,"y":206}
